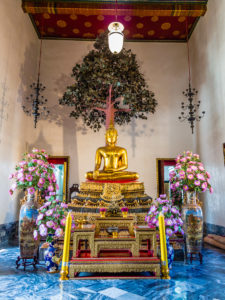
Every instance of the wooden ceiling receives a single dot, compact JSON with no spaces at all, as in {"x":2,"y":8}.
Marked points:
{"x":147,"y":20}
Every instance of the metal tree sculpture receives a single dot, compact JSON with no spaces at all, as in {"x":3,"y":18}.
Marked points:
{"x":100,"y":70}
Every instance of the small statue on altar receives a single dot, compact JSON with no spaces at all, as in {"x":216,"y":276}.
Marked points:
{"x":114,"y":158}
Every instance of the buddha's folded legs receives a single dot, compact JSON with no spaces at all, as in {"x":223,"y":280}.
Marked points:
{"x":120,"y":175}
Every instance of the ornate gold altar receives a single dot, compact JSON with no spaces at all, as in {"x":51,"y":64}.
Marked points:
{"x":95,"y":249}
{"x":112,"y":183}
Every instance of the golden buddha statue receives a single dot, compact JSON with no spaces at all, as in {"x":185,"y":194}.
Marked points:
{"x":115,"y":161}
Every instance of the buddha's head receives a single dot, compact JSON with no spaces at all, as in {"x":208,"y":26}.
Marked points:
{"x":111,"y":135}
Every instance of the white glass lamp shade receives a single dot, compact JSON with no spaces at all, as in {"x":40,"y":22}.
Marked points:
{"x":115,"y":37}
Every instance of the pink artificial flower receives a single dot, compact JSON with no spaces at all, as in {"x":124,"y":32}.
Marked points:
{"x":183,"y":159}
{"x":31,"y":169}
{"x":169,"y":231}
{"x":196,"y":156}
{"x":200,"y":176}
{"x":152,"y":209}
{"x":49,"y":212}
{"x":208,"y":175}
{"x":211,"y":190}
{"x":178,"y":166}
{"x":174,"y":210}
{"x":22,"y":163}
{"x":185,"y":188}
{"x":168,"y":222}
{"x":35,"y":235}
{"x":43,"y":230}
{"x":31,"y":190}
{"x":165,"y":209}
{"x":177,"y":184}
{"x":190,"y":176}
{"x":40,"y":162}
{"x":189,"y":170}
{"x":40,"y":217}
{"x":153,"y":220}
{"x":10,"y":192}
{"x":52,"y":193}
{"x":176,"y":228}
{"x":50,"y":224}
{"x":29,"y":177}
{"x":59,"y":232}
{"x":34,"y":160}
{"x":63,"y":222}
{"x":11,"y":176}
{"x":201,"y":168}
{"x":31,"y":155}
{"x":64,"y":205}
{"x":197,"y":182}
{"x":47,"y":197}
{"x":35,"y":150}
{"x":50,"y":188}
{"x":204,"y":185}
{"x":172,"y":186}
{"x":57,"y":186}
{"x":194,"y":168}
{"x":20,"y":175}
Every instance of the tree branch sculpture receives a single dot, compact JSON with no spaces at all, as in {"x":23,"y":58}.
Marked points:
{"x":106,"y":81}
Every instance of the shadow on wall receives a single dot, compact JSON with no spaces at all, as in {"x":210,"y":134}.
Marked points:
{"x":134,"y":131}
{"x":28,"y":73}
{"x":40,"y":143}
{"x":3,"y":104}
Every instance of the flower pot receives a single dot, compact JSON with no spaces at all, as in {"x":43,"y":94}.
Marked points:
{"x":102,"y":214}
{"x":124,"y":213}
{"x":193,"y":224}
{"x":27,"y":223}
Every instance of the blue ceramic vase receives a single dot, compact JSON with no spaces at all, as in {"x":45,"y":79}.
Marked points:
{"x":170,"y":252}
{"x":51,"y":259}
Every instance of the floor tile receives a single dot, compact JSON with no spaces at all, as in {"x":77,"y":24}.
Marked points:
{"x":113,"y":292}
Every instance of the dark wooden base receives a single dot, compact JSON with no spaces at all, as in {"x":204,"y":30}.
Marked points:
{"x":27,"y":262}
{"x":194,"y":255}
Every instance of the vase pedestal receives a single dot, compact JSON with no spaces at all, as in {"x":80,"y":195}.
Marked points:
{"x":193,"y":228}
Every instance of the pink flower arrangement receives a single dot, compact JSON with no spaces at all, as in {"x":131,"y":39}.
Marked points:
{"x":102,"y":209}
{"x":173,"y":222}
{"x":124,"y":209}
{"x":190,"y":174}
{"x":34,"y":173}
{"x":51,"y":220}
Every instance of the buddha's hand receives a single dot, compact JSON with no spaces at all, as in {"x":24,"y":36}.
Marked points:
{"x":95,"y":174}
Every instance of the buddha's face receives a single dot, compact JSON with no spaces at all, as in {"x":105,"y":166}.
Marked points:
{"x":111,"y":136}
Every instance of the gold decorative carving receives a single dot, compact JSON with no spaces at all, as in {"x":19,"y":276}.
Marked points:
{"x":112,"y":191}
{"x":135,"y":266}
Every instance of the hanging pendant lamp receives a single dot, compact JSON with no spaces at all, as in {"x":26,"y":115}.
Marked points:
{"x":115,"y":35}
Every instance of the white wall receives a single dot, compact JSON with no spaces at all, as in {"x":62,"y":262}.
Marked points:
{"x":162,"y":135}
{"x":208,"y":61}
{"x":18,"y":54}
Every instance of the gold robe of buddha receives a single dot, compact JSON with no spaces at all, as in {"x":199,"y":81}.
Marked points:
{"x":114,"y":158}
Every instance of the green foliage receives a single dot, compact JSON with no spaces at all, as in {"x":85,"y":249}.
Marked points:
{"x":100,"y":69}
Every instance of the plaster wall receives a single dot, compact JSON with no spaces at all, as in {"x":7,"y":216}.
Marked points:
{"x":207,"y":45}
{"x":18,"y":58}
{"x":164,"y":66}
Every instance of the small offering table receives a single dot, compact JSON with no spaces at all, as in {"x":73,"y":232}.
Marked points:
{"x":122,"y":253}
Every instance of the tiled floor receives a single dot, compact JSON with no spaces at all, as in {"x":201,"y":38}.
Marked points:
{"x":190,"y":282}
